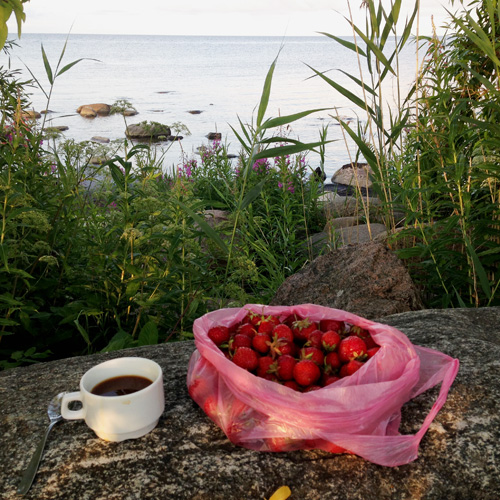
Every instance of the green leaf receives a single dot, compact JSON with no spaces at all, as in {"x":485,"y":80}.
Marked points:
{"x":252,"y":194}
{"x":148,"y":334}
{"x":266,"y":92}
{"x":82,"y":331}
{"x":283,"y":120}
{"x":207,"y":229}
{"x":48,"y":69}
{"x":376,"y":50}
{"x":288,"y":150}
{"x":479,"y":269}
{"x":8,"y":322}
{"x":346,"y":93}
{"x":345,"y":43}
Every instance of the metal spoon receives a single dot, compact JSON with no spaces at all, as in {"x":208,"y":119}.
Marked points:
{"x":55,"y":416}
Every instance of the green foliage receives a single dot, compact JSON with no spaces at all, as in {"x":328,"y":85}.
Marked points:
{"x":435,"y":156}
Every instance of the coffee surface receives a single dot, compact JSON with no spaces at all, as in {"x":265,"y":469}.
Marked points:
{"x":121,"y":386}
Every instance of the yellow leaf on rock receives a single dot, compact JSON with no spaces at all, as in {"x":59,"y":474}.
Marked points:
{"x":281,"y":493}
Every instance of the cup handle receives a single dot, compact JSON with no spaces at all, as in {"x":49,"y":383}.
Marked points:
{"x":72,"y":414}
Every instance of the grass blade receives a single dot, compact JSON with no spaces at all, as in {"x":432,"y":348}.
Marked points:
{"x":48,"y":69}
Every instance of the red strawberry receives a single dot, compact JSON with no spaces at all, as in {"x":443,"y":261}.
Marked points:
{"x":314,"y":339}
{"x":253,"y":318}
{"x":328,"y":379}
{"x":331,"y":324}
{"x":246,"y":358}
{"x":210,"y":408}
{"x":371,"y":352}
{"x":312,"y":388}
{"x":264,"y":369}
{"x":351,"y":347}
{"x":330,"y":340}
{"x":312,"y":353}
{"x":247,"y":329}
{"x":349,"y":368}
{"x":282,"y":331}
{"x":261,"y":342}
{"x":292,"y":385}
{"x":265,"y":326}
{"x":302,"y":328}
{"x":218,"y":334}
{"x":285,"y":347}
{"x":240,"y":340}
{"x":306,"y":372}
{"x":370,"y":343}
{"x":292,"y":318}
{"x":284,"y":367}
{"x":332,"y":362}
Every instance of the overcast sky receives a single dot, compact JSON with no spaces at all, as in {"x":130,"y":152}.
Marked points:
{"x":207,"y":17}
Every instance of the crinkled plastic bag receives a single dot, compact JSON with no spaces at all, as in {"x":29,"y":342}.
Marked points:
{"x":358,"y":414}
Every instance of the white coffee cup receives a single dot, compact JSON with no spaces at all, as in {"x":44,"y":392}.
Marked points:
{"x":116,"y":418}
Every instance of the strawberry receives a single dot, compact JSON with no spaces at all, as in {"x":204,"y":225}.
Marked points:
{"x":284,"y":367}
{"x":240,"y":340}
{"x":247,"y":329}
{"x":246,"y":358}
{"x":264,"y":369}
{"x":370,"y":343}
{"x":332,"y":362}
{"x":265,"y":326}
{"x":261,"y":342}
{"x":350,"y":348}
{"x":328,"y":379}
{"x":312,"y":388}
{"x":285,"y":347}
{"x":306,"y":372}
{"x":302,"y":328}
{"x":372,"y":351}
{"x":282,"y":331}
{"x":210,"y":408}
{"x":351,"y":367}
{"x":331,"y":324}
{"x":291,"y":384}
{"x":252,"y":318}
{"x":312,"y":353}
{"x":218,"y":334}
{"x":314,"y":339}
{"x":330,"y":340}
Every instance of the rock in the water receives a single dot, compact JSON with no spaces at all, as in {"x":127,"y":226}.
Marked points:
{"x":93,"y":110}
{"x":98,"y":138}
{"x":130,"y":112}
{"x":175,"y":138}
{"x":195,"y":112}
{"x":214,"y":136}
{"x":148,"y":131}
{"x":365,"y":279}
{"x":31,"y":114}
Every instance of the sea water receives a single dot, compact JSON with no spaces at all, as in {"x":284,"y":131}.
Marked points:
{"x":166,"y":77}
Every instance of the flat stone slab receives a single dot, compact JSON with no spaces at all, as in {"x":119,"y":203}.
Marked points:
{"x":187,"y":457}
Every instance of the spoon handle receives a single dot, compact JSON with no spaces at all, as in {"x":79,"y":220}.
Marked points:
{"x":30,"y":472}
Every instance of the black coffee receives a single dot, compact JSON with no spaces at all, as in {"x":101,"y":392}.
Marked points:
{"x":120,"y":386}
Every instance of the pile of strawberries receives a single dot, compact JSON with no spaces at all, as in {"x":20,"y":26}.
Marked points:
{"x":297,"y":352}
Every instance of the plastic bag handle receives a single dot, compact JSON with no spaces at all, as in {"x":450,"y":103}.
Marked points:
{"x":401,"y":449}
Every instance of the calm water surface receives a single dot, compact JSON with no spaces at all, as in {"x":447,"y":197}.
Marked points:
{"x":164,"y":77}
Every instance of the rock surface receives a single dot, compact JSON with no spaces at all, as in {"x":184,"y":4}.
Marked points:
{"x":148,"y":131}
{"x":188,"y":457}
{"x":93,"y":110}
{"x":365,"y":279}
{"x":354,"y":174}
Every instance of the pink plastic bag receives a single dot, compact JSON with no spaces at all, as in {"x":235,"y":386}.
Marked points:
{"x":359,"y":414}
